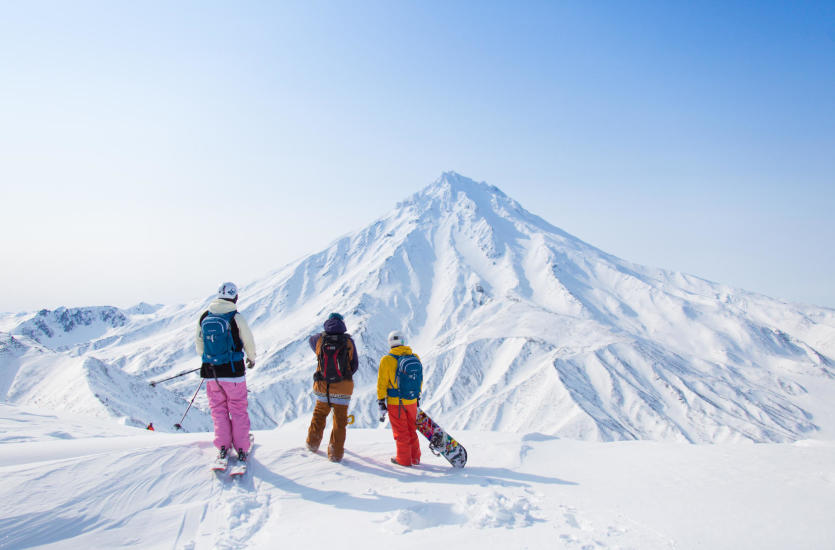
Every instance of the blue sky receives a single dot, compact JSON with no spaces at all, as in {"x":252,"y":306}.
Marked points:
{"x":698,"y":137}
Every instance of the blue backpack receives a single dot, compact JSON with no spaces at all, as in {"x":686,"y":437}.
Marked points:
{"x":218,"y":343}
{"x":408,"y":377}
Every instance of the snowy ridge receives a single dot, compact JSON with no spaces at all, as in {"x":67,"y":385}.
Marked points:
{"x":63,"y":328}
{"x":88,"y":386}
{"x":520,"y":326}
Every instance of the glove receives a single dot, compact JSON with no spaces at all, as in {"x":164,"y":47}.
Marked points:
{"x":383,"y":409}
{"x":249,"y":363}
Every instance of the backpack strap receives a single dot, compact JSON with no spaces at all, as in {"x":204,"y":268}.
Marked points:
{"x":320,"y":368}
{"x":236,"y":334}
{"x":350,"y":353}
{"x":395,"y":392}
{"x":318,"y":352}
{"x":237,"y":343}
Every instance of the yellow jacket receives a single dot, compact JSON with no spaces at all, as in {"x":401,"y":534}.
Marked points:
{"x":385,"y":375}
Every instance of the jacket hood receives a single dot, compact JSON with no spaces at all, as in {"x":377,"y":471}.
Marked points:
{"x":401,"y":350}
{"x":220,"y":306}
{"x":335,"y":326}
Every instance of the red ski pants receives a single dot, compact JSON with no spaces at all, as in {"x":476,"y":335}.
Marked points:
{"x":404,"y":429}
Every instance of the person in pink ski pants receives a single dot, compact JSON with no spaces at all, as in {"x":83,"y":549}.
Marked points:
{"x":228,"y":403}
{"x":223,"y":339}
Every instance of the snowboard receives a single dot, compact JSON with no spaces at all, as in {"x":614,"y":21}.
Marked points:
{"x":440,"y":442}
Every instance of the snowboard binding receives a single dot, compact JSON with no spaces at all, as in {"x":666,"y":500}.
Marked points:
{"x":436,"y":444}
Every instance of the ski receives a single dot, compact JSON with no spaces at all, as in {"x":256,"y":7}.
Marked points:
{"x":220,"y":463}
{"x":238,"y":468}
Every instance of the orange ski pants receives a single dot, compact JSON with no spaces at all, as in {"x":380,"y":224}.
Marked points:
{"x":336,"y":444}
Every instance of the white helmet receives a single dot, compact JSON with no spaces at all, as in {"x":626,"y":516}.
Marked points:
{"x":227,"y":291}
{"x":395,"y":339}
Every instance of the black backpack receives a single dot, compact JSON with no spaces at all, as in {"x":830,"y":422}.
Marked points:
{"x":334,"y":356}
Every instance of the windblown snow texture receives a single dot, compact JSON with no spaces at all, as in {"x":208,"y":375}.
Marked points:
{"x":520,"y":327}
{"x":70,"y":481}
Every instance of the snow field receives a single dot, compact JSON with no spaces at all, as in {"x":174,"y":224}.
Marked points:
{"x":71,"y":484}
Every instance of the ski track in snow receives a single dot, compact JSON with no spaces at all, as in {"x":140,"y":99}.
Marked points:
{"x":234,"y":513}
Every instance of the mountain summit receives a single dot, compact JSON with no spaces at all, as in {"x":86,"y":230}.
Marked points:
{"x":520,"y":326}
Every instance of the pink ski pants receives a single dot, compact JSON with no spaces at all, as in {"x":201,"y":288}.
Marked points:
{"x":227,"y":401}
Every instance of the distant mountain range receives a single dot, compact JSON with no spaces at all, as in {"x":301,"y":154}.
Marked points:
{"x":521,"y":327}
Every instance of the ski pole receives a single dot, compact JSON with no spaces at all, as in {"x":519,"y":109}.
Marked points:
{"x":179,"y":425}
{"x":175,"y":376}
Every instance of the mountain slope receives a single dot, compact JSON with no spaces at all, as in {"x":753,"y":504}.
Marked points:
{"x":520,"y":326}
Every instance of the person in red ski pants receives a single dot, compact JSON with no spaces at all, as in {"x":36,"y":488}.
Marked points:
{"x":402,"y":412}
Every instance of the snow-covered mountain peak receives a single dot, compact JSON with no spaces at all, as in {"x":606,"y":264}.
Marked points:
{"x":454,"y":193}
{"x":479,"y":212}
{"x":519,"y":325}
{"x":451,"y":186}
